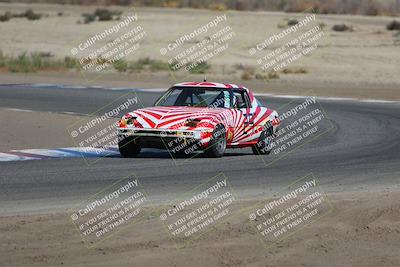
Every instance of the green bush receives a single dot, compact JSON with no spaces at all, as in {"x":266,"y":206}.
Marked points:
{"x":148,"y":63}
{"x":87,"y":17}
{"x":37,"y":61}
{"x":5,"y":17}
{"x":30,"y":15}
{"x":292,"y":22}
{"x":103,"y":14}
{"x":31,"y":62}
{"x":21,"y":64}
{"x":70,"y":62}
{"x":2,"y":60}
{"x":120,"y":65}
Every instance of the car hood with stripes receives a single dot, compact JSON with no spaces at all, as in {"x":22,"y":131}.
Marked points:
{"x":160,"y":117}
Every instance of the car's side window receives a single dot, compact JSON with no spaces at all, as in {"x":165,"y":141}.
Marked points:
{"x":259,"y":103}
{"x":247,"y":99}
{"x":241,"y":99}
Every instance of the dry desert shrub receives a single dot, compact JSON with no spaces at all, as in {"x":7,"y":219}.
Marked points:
{"x":246,"y":76}
{"x":5,"y":17}
{"x":342,"y":28}
{"x":394,"y":25}
{"x":218,"y":7}
{"x":299,"y":70}
{"x":172,"y":4}
{"x":364,"y":7}
{"x":267,"y":76}
{"x":29,"y":14}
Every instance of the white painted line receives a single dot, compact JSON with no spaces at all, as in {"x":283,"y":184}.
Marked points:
{"x":19,"y":110}
{"x":41,"y":84}
{"x":73,"y":86}
{"x":156,"y":90}
{"x":75,"y":113}
{"x":330,"y":98}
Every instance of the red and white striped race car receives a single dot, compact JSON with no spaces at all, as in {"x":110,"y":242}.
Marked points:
{"x":199,"y":116}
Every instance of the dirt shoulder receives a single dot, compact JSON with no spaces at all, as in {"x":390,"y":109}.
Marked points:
{"x":362,"y":230}
{"x":40,"y":124}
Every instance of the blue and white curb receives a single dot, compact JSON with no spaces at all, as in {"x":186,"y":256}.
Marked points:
{"x":68,"y":152}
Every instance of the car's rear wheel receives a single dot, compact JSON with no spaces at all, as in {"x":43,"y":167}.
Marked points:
{"x":264,"y":143}
{"x":217,"y":143}
{"x":129,"y":147}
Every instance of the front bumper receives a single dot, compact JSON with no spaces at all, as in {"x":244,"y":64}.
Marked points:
{"x":172,"y":140}
{"x":150,"y":132}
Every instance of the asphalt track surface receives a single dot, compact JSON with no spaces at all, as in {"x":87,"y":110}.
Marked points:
{"x":361,"y":152}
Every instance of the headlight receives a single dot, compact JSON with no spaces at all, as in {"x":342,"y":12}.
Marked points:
{"x":197,"y":134}
{"x":122,"y":123}
{"x":128,"y":119}
{"x":192,"y":122}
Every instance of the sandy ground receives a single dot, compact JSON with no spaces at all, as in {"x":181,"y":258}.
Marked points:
{"x":51,"y":125}
{"x":362,"y":230}
{"x":358,"y":64}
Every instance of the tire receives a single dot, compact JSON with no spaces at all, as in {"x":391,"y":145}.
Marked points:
{"x":129,"y":147}
{"x":263,"y":144}
{"x":217,"y":144}
{"x":180,"y":154}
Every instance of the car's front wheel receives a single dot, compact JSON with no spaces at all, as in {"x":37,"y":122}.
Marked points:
{"x":264,"y":143}
{"x":129,"y":147}
{"x":217,"y":143}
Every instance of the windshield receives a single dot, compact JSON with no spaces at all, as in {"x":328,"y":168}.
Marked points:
{"x":196,"y":97}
